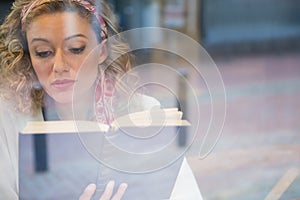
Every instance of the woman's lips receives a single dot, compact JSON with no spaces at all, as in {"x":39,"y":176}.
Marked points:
{"x":63,"y":84}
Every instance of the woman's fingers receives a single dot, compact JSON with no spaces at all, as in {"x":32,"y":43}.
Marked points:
{"x":121,"y":190}
{"x":107,"y":194}
{"x":88,"y":192}
{"x":108,"y":191}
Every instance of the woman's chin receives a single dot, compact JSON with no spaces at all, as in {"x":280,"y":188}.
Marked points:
{"x":63,"y":98}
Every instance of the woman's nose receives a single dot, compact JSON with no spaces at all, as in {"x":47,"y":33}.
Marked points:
{"x":60,"y":64}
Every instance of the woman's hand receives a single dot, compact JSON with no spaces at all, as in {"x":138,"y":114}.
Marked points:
{"x":107,"y":194}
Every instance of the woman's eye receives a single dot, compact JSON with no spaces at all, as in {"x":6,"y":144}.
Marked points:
{"x":43,"y":54}
{"x":77,"y":50}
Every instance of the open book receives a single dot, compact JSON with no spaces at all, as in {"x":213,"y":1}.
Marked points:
{"x":140,"y":149}
{"x":156,"y":117}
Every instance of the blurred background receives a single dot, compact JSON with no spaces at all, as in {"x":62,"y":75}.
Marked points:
{"x":255,"y":45}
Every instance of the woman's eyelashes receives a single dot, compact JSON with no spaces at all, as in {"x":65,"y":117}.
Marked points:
{"x":76,"y":50}
{"x":47,"y":53}
{"x":43,"y":54}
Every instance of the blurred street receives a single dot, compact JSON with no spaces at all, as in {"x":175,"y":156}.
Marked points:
{"x":260,"y":142}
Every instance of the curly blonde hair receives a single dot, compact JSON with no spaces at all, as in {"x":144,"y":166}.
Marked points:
{"x":17,"y":77}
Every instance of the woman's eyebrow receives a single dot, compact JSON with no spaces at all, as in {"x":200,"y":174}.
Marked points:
{"x":67,"y":38}
{"x":76,"y":35}
{"x":39,"y":40}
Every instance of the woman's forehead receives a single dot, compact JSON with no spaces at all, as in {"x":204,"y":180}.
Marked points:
{"x":65,"y":19}
{"x":65,"y":23}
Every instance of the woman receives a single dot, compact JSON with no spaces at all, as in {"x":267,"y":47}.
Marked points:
{"x":44,"y":46}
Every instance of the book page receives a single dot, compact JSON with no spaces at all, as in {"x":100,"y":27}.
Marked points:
{"x":157,"y":117}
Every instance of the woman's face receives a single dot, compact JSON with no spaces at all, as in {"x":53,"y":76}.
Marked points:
{"x":61,"y":45}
